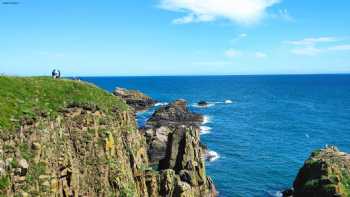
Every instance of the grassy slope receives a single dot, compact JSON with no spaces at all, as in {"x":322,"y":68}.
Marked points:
{"x":26,"y":96}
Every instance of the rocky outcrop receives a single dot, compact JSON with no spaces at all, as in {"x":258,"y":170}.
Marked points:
{"x":325,"y":174}
{"x":83,"y":152}
{"x":135,"y":99}
{"x":172,"y":135}
{"x":175,"y":114}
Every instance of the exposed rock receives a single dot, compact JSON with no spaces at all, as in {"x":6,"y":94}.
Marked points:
{"x":23,"y":164}
{"x":288,"y":193}
{"x":202,"y":103}
{"x":325,"y":174}
{"x":172,"y":135}
{"x":135,"y":99}
{"x":175,"y":114}
{"x":2,"y":167}
{"x":85,"y":149}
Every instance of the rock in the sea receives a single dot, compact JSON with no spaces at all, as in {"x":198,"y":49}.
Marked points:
{"x":175,"y":113}
{"x":325,"y":174}
{"x":138,"y":100}
{"x":172,"y":135}
{"x":202,"y":103}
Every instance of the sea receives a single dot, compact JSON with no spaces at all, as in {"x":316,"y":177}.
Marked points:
{"x":260,"y":128}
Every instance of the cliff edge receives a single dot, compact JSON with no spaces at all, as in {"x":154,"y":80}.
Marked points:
{"x":70,"y":138}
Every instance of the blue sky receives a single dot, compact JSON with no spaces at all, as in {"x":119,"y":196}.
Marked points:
{"x":174,"y":37}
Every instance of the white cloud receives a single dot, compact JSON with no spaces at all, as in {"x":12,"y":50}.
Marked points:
{"x":239,"y":37}
{"x":283,"y":14}
{"x":312,"y":41}
{"x":308,"y":50}
{"x":239,"y":11}
{"x":345,"y":47}
{"x":260,"y":55}
{"x":243,"y":35}
{"x":212,"y":63}
{"x":231,"y":53}
{"x":310,"y":46}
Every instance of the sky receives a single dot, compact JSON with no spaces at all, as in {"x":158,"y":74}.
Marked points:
{"x":174,"y":37}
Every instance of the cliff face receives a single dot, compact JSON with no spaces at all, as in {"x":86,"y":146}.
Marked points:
{"x":68,"y":138}
{"x":325,"y":174}
{"x":172,"y":135}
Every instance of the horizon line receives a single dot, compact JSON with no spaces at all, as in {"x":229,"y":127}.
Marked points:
{"x":182,"y":75}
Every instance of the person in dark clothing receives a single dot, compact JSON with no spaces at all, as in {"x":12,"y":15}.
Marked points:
{"x":56,"y":74}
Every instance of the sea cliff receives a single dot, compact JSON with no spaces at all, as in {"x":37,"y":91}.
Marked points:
{"x":70,"y":138}
{"x":325,"y":174}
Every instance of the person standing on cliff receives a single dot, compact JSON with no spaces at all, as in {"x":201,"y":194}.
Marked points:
{"x":56,"y":74}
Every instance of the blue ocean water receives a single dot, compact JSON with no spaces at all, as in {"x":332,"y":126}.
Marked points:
{"x":269,"y":129}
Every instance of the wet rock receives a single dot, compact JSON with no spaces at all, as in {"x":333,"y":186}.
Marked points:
{"x":288,"y":193}
{"x":202,"y":103}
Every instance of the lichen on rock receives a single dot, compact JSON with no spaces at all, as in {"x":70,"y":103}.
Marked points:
{"x":325,"y":174}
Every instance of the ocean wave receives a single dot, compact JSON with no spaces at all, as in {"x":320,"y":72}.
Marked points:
{"x":228,"y":102}
{"x":206,"y":120}
{"x":212,"y":156}
{"x":160,"y":104}
{"x":205,"y":130}
{"x":275,"y":193}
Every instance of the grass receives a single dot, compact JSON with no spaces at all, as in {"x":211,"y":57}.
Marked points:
{"x":26,"y":97}
{"x":4,"y":182}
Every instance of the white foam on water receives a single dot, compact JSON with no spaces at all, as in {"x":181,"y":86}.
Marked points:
{"x":228,"y":102}
{"x":205,"y":130}
{"x":276,"y":194}
{"x":213,"y":156}
{"x":206,"y":120}
{"x":307,"y":135}
{"x":160,"y":104}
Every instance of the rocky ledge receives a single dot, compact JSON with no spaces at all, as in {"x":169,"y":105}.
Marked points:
{"x":135,"y":99}
{"x":325,"y":174}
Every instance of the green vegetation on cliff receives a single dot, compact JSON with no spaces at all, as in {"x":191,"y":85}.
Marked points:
{"x":325,"y":174}
{"x":64,"y":137}
{"x":26,"y":97}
